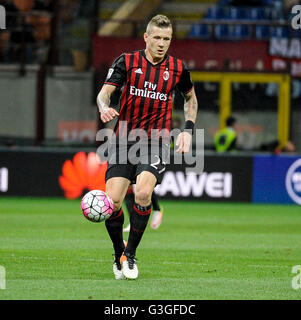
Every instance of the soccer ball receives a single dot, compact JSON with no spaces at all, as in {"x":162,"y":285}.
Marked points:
{"x":97,"y":206}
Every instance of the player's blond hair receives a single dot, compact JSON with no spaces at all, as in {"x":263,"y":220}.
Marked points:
{"x":159,"y":21}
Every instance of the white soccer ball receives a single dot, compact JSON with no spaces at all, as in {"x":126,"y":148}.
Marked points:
{"x":97,"y":206}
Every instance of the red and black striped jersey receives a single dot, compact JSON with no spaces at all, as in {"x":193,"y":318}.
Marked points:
{"x":146,"y":98}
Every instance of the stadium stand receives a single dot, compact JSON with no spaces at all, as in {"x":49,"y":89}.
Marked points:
{"x":242,"y":14}
{"x":129,"y":10}
{"x":187,"y":13}
{"x":34,"y":29}
{"x":199,"y":20}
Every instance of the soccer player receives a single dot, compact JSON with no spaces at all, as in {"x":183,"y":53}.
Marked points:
{"x":148,"y":78}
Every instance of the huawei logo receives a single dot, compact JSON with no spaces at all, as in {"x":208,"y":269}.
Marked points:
{"x":84,"y":172}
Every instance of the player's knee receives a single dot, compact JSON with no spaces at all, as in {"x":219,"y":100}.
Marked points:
{"x":143,"y":197}
{"x":117,"y":203}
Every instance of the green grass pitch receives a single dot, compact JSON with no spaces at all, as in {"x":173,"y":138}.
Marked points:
{"x":201,"y":251}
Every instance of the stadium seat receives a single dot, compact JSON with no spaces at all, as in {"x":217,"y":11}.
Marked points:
{"x":276,"y":8}
{"x":271,"y":14}
{"x":201,"y":31}
{"x":194,"y":31}
{"x":235,"y":13}
{"x":255,"y":14}
{"x":215,"y":13}
{"x":239,"y":32}
{"x":280,"y":32}
{"x":296,"y":33}
{"x":262,"y":32}
{"x":272,"y":3}
{"x":222,"y":32}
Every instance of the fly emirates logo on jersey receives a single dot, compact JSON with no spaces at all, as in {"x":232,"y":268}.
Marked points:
{"x":148,"y":91}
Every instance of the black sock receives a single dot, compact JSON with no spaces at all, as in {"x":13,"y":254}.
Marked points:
{"x":114,"y":226}
{"x":138,"y":219}
{"x":129,"y":201}
{"x":155,"y":202}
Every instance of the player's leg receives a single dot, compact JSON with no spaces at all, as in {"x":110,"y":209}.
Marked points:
{"x":129,"y":202}
{"x":157,"y":214}
{"x":116,"y":188}
{"x":145,"y":183}
{"x":155,"y":202}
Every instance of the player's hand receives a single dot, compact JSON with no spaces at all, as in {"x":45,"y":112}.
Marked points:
{"x":183,"y":142}
{"x":108,"y":115}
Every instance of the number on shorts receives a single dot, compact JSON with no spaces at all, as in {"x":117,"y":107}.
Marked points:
{"x":156,"y":163}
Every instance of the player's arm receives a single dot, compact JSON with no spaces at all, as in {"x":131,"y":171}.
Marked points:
{"x":190,"y":111}
{"x":190,"y":106}
{"x":103,"y":102}
{"x":114,"y":81}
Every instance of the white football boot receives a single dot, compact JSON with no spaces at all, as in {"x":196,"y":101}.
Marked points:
{"x":129,"y":267}
{"x":156,"y":219}
{"x":117,"y":268}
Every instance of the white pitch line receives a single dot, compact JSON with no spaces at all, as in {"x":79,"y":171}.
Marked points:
{"x":165,"y":262}
{"x":266,"y":266}
{"x":54,"y":259}
{"x":207,"y":264}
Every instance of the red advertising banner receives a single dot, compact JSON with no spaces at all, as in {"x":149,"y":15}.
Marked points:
{"x":285,"y":54}
{"x":198,"y":55}
{"x":77,"y":131}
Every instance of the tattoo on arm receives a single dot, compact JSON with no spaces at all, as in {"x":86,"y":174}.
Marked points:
{"x":190,"y":106}
{"x":103,"y":101}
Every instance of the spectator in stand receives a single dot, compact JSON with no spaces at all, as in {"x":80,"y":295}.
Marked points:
{"x":41,"y":20}
{"x":67,"y":19}
{"x":36,"y":19}
{"x":17,"y":23}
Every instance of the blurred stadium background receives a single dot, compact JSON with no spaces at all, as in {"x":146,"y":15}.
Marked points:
{"x":245,"y":60}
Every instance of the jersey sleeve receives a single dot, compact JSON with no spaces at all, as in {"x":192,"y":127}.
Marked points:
{"x":185,"y":84}
{"x":117,"y":73}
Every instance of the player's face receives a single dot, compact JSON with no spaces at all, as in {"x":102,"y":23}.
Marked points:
{"x":157,"y":42}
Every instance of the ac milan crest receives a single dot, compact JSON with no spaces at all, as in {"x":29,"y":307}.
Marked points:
{"x":165,"y":75}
